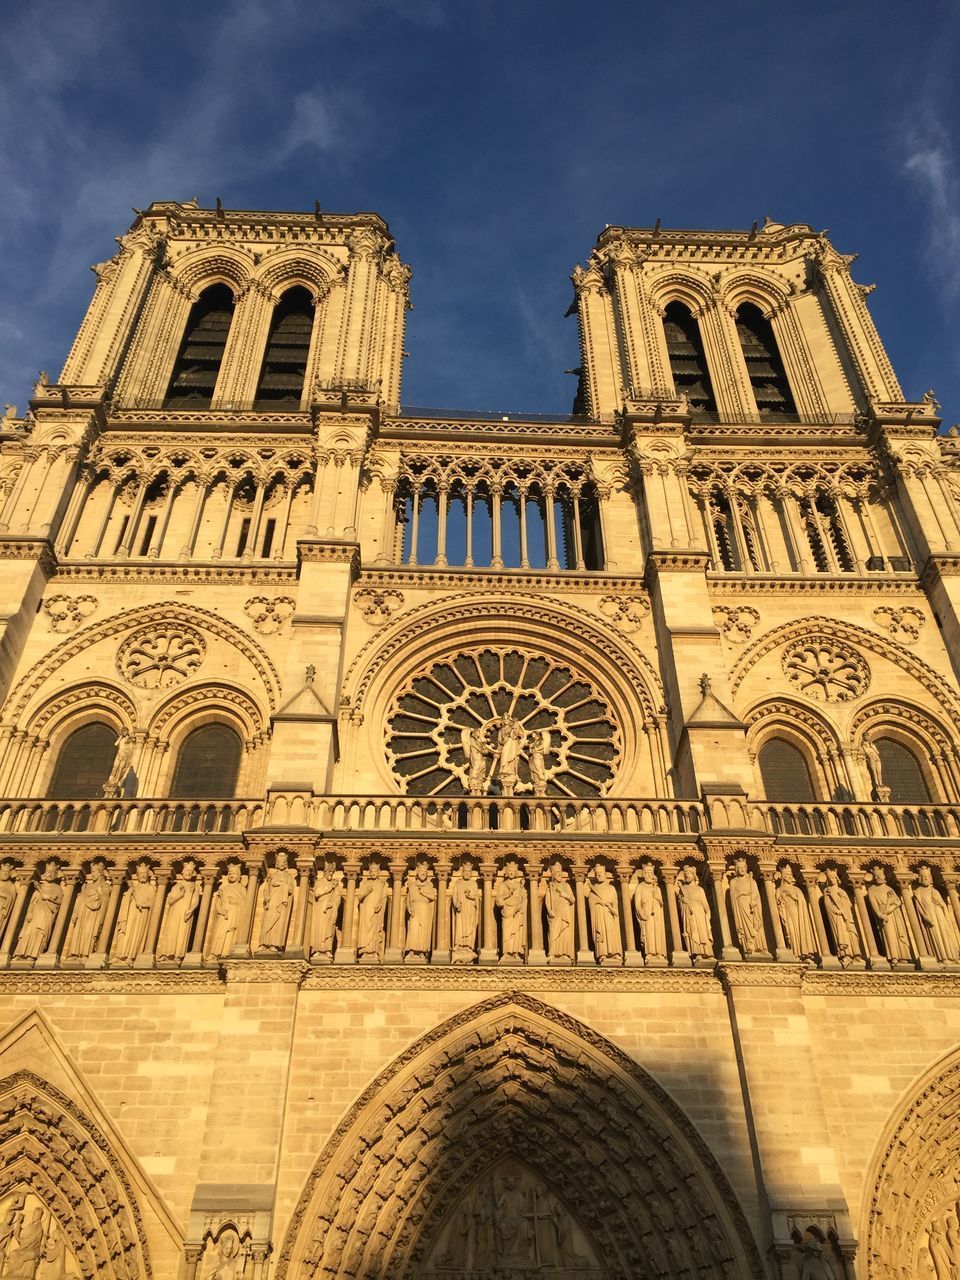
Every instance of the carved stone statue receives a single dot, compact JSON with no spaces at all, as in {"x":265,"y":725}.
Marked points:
{"x":24,"y":1257}
{"x":181,"y":907}
{"x":813,"y":1265}
{"x":230,"y":1258}
{"x":122,"y":760}
{"x":327,"y":896}
{"x":88,"y":911}
{"x":510,"y":743}
{"x":226,"y":910}
{"x":8,"y":892}
{"x":936,"y":918}
{"x":465,"y":901}
{"x":538,"y":745}
{"x":372,"y":894}
{"x":874,"y":765}
{"x":795,"y":915}
{"x":839,"y":909}
{"x":479,"y":752}
{"x":940,"y":1252}
{"x":421,"y":894}
{"x":131,"y":932}
{"x":510,"y":895}
{"x":41,"y":914}
{"x":694,"y":913}
{"x":53,"y":1264}
{"x":648,"y":905}
{"x":745,"y":904}
{"x":888,"y":910}
{"x":279,"y":888}
{"x":604,"y":915}
{"x":558,"y":896}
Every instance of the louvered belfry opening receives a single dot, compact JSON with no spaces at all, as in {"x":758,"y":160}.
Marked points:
{"x":765,"y":369}
{"x":201,"y":352}
{"x":688,"y":362}
{"x":285,"y":360}
{"x":208,"y":764}
{"x":901,"y":772}
{"x":783,"y":768}
{"x":84,"y":763}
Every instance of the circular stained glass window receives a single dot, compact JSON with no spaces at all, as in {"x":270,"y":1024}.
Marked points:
{"x":500,"y":722}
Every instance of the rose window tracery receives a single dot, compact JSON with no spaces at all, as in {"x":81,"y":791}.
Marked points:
{"x":496,"y":721}
{"x":160,"y":657}
{"x":825,"y":670}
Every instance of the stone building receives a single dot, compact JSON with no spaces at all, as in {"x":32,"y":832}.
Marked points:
{"x":446,"y":846}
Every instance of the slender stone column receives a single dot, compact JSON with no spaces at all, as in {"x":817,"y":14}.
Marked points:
{"x":584,"y":953}
{"x":196,"y":953}
{"x":394,"y":951}
{"x":924,"y":959}
{"x":192,"y":1253}
{"x":296,"y":944}
{"x":632,"y":959}
{"x":781,"y":950}
{"x":441,"y":952}
{"x":488,"y":948}
{"x":147,"y":957}
{"x":22,"y":877}
{"x":552,"y":560}
{"x":68,"y":882}
{"x":98,"y":958}
{"x":679,"y":958}
{"x":535,"y":953}
{"x":242,"y":945}
{"x":496,"y":559}
{"x":950,"y":878}
{"x":874,"y":959}
{"x":728,"y":951}
{"x":827,"y":959}
{"x":347,"y":951}
{"x":443,"y":495}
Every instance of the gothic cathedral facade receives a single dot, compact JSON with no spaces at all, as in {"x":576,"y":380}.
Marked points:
{"x":446,"y":846}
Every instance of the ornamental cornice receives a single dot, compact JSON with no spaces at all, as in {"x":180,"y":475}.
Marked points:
{"x":751,"y":974}
{"x":111,"y":981}
{"x":215,"y":572}
{"x":939,"y":565}
{"x":257,"y":970}
{"x":733,"y":584}
{"x":515,"y":978}
{"x":311,"y":551}
{"x":38,"y":549}
{"x":470,"y":451}
{"x":207,"y":422}
{"x":863,"y":983}
{"x":596,"y":434}
{"x":675,"y":562}
{"x":561,"y":582}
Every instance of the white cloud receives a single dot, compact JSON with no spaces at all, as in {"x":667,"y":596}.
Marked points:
{"x":930,"y":164}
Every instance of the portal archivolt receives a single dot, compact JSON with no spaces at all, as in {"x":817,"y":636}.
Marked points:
{"x":505,"y":1136}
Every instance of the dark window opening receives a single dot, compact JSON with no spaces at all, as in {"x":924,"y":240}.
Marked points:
{"x":84,"y":763}
{"x":208,"y":764}
{"x":268,"y":538}
{"x":786,"y":777}
{"x":122,"y":534}
{"x":285,"y":359}
{"x":901,"y":772}
{"x":765,"y":369}
{"x":244,"y":534}
{"x":148,"y":535}
{"x":201,"y":352}
{"x":688,"y":362}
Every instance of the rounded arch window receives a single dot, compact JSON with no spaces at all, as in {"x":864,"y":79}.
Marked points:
{"x":198,"y":363}
{"x":901,"y":772}
{"x":84,"y":763}
{"x":785,"y":772}
{"x":207,"y":764}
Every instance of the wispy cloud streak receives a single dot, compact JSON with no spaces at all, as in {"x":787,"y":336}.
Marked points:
{"x":930,"y":163}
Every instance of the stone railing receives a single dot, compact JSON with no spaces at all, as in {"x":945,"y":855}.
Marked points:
{"x":125,"y":817}
{"x":857,"y":819}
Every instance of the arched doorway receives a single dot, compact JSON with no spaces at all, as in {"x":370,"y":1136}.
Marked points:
{"x":913,"y":1214}
{"x":513,"y":1140}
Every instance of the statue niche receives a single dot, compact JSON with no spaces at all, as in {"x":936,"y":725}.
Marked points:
{"x":509,"y":1223}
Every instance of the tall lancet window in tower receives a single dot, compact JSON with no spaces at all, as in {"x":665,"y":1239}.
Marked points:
{"x":285,"y":359}
{"x":201,"y":352}
{"x":688,"y":363}
{"x":765,"y":369}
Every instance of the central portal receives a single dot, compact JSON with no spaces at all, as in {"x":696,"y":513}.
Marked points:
{"x":509,"y":1223}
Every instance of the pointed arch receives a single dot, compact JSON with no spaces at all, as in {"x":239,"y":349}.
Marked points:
{"x":914,"y":1178}
{"x":49,"y":1146}
{"x":513,"y":1074}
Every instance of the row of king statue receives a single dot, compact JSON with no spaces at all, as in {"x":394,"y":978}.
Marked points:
{"x":419,"y":911}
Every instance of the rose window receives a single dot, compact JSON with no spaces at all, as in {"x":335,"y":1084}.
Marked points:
{"x":160,"y":657}
{"x":825,"y":670}
{"x":500,"y":722}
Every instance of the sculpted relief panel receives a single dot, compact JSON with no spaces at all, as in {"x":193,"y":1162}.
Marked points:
{"x":32,"y":1243}
{"x":502,"y":722}
{"x":510,"y":1224}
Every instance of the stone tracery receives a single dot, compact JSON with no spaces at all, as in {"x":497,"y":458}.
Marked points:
{"x":503,"y":720}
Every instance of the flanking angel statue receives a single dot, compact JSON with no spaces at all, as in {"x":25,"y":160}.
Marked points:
{"x":493,"y":752}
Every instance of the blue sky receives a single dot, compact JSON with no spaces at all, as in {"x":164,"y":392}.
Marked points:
{"x":497,"y":137}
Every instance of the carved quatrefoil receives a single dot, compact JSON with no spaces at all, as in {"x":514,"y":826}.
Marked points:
{"x":823,"y":669}
{"x":159,"y":657}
